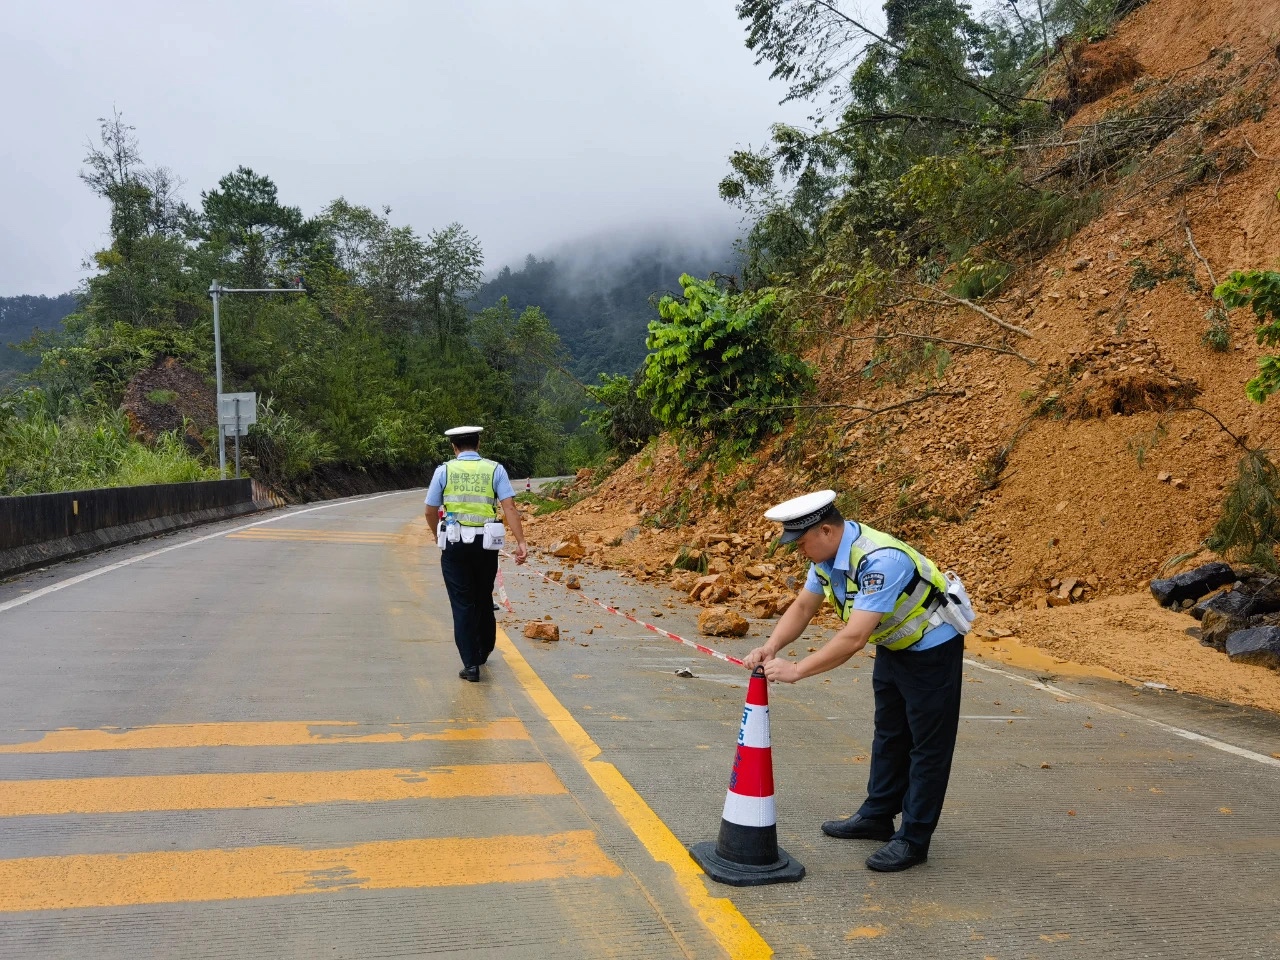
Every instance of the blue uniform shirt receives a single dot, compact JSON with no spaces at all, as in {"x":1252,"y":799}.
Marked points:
{"x":501,"y":482}
{"x":885,"y":574}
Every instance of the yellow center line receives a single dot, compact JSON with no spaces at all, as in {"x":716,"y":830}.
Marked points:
{"x":236,"y":791}
{"x":263,"y":734}
{"x":115,"y":880}
{"x":721,"y":917}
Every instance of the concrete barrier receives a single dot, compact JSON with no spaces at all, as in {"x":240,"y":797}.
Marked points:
{"x":47,"y":527}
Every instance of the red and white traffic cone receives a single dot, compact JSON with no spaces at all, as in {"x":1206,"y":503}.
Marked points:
{"x":747,"y":853}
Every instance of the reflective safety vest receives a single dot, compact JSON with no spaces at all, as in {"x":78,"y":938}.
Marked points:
{"x":914,"y":613}
{"x":469,"y":492}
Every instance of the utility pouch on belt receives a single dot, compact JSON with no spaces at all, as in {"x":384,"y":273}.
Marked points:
{"x":441,"y":538}
{"x":958,"y":610}
{"x":495,"y":535}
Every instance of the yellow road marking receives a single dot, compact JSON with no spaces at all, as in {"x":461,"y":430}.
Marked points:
{"x":115,"y":880}
{"x":234,"y":791}
{"x":263,"y":734}
{"x":721,"y":917}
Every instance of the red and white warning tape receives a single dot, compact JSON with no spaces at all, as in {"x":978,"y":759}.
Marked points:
{"x":502,"y":590}
{"x":700,"y":647}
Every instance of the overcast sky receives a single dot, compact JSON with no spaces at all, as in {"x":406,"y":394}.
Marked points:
{"x":532,"y":123}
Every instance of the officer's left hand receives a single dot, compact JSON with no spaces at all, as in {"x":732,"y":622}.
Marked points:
{"x":781,"y":671}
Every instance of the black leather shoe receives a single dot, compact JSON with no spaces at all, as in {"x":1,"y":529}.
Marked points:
{"x":470,"y":673}
{"x":897,"y":854}
{"x":859,"y":828}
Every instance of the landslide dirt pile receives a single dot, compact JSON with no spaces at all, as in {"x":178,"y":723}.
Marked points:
{"x":1076,"y":456}
{"x":171,"y":397}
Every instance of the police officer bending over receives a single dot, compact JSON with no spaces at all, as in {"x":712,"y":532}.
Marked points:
{"x":893,"y":597}
{"x":470,"y":489}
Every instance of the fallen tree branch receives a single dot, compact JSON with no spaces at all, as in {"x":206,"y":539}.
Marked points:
{"x":921,"y":336}
{"x":870,"y":118}
{"x":1014,"y":328}
{"x":1243,"y":446}
{"x":880,"y":518}
{"x":1191,"y":241}
{"x":1256,"y":155}
{"x":870,"y":411}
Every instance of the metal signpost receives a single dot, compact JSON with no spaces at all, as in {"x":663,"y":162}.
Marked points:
{"x":249,"y":407}
{"x":239,"y":411}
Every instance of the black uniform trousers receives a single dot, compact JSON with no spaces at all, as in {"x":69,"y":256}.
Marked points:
{"x":469,"y":571}
{"x":917,"y":698}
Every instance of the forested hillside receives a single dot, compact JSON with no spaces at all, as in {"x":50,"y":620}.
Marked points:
{"x":19,"y":318}
{"x":601,"y":301}
{"x":358,"y":369}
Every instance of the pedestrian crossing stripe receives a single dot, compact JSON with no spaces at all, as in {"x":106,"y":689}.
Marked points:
{"x":245,"y":791}
{"x":119,"y":880}
{"x":265,"y":734}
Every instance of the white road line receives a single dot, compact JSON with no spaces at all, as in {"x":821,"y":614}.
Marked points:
{"x":72,"y":581}
{"x":1222,"y":745}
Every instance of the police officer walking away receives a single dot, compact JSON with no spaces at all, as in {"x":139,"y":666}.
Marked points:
{"x":895,"y":598}
{"x":470,"y":489}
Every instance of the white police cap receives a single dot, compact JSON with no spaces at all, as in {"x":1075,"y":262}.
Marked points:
{"x":463,"y":431}
{"x":801,"y":513}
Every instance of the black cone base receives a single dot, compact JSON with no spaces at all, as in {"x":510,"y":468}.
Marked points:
{"x":784,"y":870}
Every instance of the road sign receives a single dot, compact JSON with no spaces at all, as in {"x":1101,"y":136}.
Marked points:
{"x":237,"y":410}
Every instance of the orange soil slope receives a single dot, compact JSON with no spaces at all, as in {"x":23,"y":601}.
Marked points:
{"x":1110,"y":481}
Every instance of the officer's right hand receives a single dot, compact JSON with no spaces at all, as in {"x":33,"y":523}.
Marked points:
{"x":757,"y":656}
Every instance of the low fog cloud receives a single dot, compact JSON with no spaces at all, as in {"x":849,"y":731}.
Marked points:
{"x":534,"y":125}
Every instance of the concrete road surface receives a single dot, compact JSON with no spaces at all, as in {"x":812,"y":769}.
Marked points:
{"x":250,"y":741}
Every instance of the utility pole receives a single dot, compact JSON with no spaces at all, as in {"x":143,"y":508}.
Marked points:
{"x":215,"y":291}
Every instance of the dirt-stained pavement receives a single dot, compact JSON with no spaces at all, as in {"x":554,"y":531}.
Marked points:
{"x":1085,"y":817}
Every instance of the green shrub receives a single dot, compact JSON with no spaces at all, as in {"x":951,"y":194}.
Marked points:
{"x":1260,"y":291}
{"x":622,"y":418}
{"x":1249,"y":527}
{"x":284,"y":448}
{"x":166,"y":461}
{"x":694,"y":560}
{"x":717,"y":364}
{"x":41,"y":454}
{"x":973,"y":281}
{"x":1218,"y":335}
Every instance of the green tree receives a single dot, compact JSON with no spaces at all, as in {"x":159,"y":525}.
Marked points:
{"x":937,"y":82}
{"x":455,"y":262}
{"x":717,"y":364}
{"x":621,"y":416}
{"x":141,"y":280}
{"x":254,"y":238}
{"x":358,"y":375}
